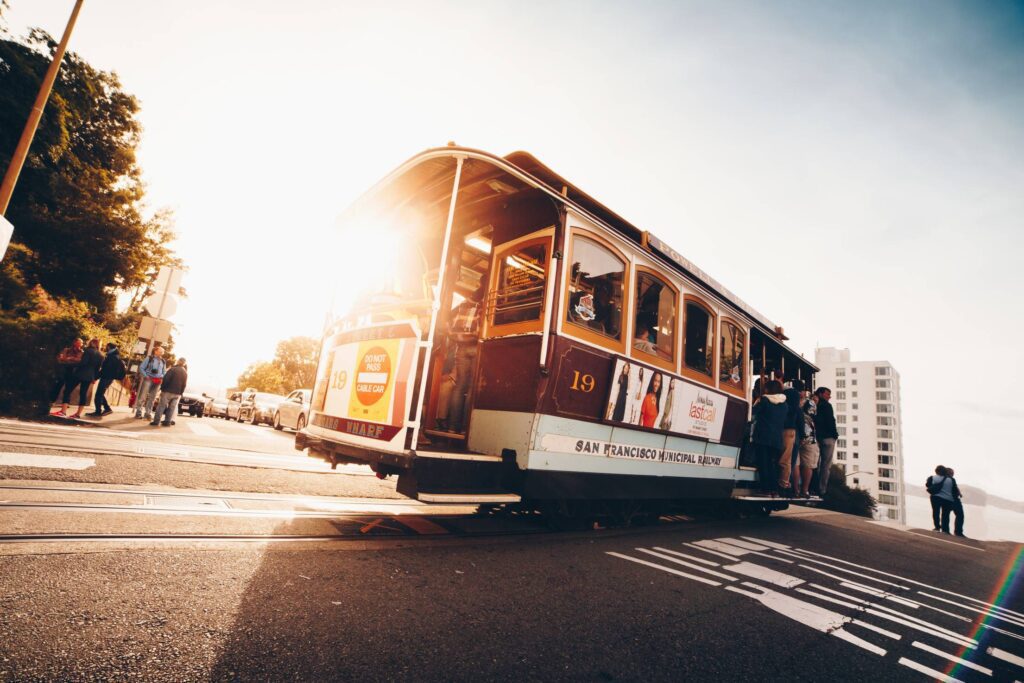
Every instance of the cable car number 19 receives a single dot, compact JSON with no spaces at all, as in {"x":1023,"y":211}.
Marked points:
{"x":584,"y":383}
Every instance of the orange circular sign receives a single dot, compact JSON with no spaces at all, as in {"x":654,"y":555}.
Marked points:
{"x":372,"y":376}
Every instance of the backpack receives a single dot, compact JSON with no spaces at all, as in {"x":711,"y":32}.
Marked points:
{"x":119,"y":370}
{"x":933,"y":486}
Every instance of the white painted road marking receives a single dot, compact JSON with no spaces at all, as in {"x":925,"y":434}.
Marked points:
{"x":53,"y":462}
{"x":665,"y":569}
{"x":936,"y":675}
{"x":756,"y":571}
{"x":952,"y":658}
{"x":1006,"y":656}
{"x":200,"y":428}
{"x":687,"y":557}
{"x":688,"y":564}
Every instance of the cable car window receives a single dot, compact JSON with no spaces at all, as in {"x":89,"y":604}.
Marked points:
{"x":519,"y":288}
{"x":595,"y":288}
{"x":655,"y":311}
{"x":732,"y":356}
{"x":699,"y":347}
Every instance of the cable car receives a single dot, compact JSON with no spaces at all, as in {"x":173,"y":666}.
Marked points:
{"x":528,"y":345}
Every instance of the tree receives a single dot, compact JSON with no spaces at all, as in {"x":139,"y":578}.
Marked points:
{"x":77,"y":209}
{"x":263,"y":376}
{"x":842,"y":498}
{"x":297,"y":358}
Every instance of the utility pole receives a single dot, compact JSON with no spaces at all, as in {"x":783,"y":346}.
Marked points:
{"x":21,"y":151}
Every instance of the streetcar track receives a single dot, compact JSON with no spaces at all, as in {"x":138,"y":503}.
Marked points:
{"x":195,"y":511}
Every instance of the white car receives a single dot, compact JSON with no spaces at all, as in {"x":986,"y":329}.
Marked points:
{"x":293,"y":412}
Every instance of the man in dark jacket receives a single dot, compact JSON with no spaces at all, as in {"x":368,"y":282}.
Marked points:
{"x":171,"y":389}
{"x":112,"y":369}
{"x":86,"y":372}
{"x":793,"y":432}
{"x":825,"y":428}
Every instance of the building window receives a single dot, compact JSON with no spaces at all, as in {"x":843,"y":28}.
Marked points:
{"x":887,"y":486}
{"x":595,"y":290}
{"x":883,"y":395}
{"x":841,"y":419}
{"x":854,"y":429}
{"x":885,"y":446}
{"x":886,"y":460}
{"x":853,"y":371}
{"x":855,"y":406}
{"x":853,"y":382}
{"x":887,"y":500}
{"x":841,"y":407}
{"x":884,"y":433}
{"x":840,"y":384}
{"x":655,"y":311}
{"x":840,"y":372}
{"x":853,"y":394}
{"x":854,"y":418}
{"x":886,"y":421}
{"x":856,"y":455}
{"x":884,"y":408}
{"x":841,"y":455}
{"x":881,"y":371}
{"x":732,"y":358}
{"x":892,"y":514}
{"x":841,"y":443}
{"x":883,"y":383}
{"x":856,"y":481}
{"x":855,"y":442}
{"x":886,"y":473}
{"x":841,"y":430}
{"x":699,"y":349}
{"x":840,"y":395}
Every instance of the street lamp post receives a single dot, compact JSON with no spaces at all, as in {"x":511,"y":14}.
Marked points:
{"x":21,"y":151}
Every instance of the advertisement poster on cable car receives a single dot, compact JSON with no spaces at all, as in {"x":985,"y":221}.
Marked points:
{"x":645,"y":397}
{"x":363,"y":387}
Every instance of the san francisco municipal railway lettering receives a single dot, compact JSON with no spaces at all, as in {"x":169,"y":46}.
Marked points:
{"x":609,"y":449}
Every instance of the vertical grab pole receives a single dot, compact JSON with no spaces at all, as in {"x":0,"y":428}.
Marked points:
{"x":436,"y":304}
{"x":548,"y":296}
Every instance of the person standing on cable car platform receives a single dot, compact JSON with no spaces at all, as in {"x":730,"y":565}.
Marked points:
{"x":464,"y":332}
{"x":769,"y":416}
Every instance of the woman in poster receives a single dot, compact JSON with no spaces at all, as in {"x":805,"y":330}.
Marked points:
{"x":639,"y":388}
{"x":652,"y":402}
{"x":619,"y":410}
{"x":666,"y":419}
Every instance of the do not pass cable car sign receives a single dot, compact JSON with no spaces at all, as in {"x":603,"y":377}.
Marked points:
{"x":364,"y":383}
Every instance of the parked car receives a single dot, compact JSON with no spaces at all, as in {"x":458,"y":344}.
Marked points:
{"x":217,"y":407}
{"x":293,"y":412}
{"x":234,"y":405}
{"x":193,"y":404}
{"x":259,"y":408}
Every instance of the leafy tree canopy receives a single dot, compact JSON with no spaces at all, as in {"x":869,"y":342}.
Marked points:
{"x":296,"y":357}
{"x":263,"y":376}
{"x":80,"y":232}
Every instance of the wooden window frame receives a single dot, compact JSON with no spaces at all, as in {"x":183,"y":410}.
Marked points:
{"x":741,"y":390}
{"x":686,"y":371}
{"x":490,"y":330}
{"x":643,"y":356}
{"x":574,"y":329}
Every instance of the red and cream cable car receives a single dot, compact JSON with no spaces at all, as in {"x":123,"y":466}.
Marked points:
{"x":604,"y":369}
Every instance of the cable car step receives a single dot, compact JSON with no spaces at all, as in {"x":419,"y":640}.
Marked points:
{"x":469,"y":498}
{"x":437,"y":433}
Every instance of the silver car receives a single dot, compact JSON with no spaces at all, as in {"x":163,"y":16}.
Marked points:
{"x":293,"y":412}
{"x":259,"y":408}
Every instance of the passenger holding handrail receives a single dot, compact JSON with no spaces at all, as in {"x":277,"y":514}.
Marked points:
{"x":791,"y":436}
{"x":769,"y":415}
{"x":464,"y":331}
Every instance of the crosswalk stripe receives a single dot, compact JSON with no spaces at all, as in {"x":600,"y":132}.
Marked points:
{"x":202,"y":429}
{"x":53,"y":462}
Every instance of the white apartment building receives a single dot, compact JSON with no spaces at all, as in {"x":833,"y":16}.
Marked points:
{"x":866,"y":400}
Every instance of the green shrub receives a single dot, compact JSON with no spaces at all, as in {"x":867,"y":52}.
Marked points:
{"x":842,"y":498}
{"x":28,"y":360}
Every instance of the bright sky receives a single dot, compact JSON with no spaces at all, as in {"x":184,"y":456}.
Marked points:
{"x":853,"y":170}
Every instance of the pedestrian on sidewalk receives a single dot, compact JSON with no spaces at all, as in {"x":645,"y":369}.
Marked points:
{"x":68,"y":360}
{"x":112,"y":369}
{"x":958,"y":505}
{"x":171,"y":389}
{"x":86,"y":372}
{"x":826,"y":433}
{"x":151,"y":373}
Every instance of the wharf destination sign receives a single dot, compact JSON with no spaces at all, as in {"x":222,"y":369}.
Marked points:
{"x":609,"y":449}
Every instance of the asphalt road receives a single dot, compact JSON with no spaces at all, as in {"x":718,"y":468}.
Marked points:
{"x":422,"y":594}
